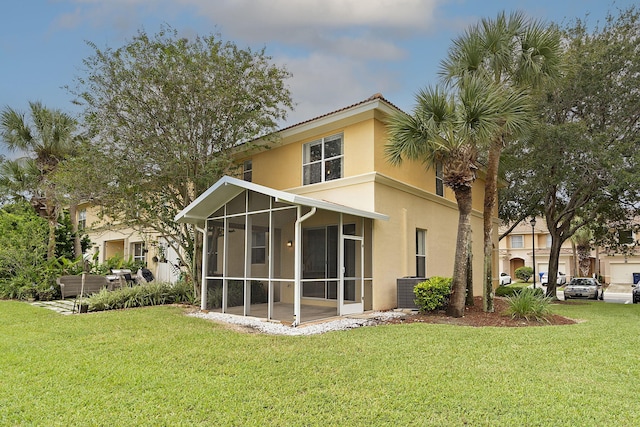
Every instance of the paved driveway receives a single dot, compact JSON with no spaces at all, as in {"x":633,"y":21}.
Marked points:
{"x":617,"y":293}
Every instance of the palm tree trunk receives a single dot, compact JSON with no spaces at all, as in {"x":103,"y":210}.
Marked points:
{"x":469,"y":301}
{"x":490,"y":190}
{"x":460,"y":266}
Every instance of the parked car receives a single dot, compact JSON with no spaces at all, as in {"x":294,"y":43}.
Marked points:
{"x":636,"y":293}
{"x":505,"y":279}
{"x":561,"y":280}
{"x":583,"y":287}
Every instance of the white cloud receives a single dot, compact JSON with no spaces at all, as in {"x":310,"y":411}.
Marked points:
{"x":339,"y":51}
{"x":292,"y":21}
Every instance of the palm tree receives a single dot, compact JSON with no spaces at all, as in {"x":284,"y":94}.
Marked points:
{"x":581,"y":242}
{"x":515,"y":53}
{"x":448,"y":129}
{"x":45,"y":141}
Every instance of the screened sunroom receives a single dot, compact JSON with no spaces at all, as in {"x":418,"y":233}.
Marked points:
{"x":280,"y":256}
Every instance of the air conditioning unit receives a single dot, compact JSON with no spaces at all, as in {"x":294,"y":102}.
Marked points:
{"x":405,"y":295}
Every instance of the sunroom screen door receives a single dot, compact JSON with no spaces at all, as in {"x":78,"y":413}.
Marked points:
{"x":352,"y":295}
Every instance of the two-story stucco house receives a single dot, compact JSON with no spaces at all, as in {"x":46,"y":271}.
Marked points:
{"x":321,"y":224}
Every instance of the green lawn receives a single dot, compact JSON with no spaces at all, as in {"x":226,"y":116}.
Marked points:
{"x":155,"y":366}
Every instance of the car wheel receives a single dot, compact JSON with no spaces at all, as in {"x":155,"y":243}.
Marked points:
{"x":566,"y":297}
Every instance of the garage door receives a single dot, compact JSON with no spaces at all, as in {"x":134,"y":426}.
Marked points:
{"x":544,"y":268}
{"x":623,"y":273}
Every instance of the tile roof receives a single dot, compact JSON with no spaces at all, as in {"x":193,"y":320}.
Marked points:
{"x":374,"y":97}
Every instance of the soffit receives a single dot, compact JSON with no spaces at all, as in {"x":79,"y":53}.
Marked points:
{"x":228,"y":187}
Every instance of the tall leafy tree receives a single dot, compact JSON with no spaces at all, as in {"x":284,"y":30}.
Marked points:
{"x":450,"y":128}
{"x":166,"y":114}
{"x":516,"y":53}
{"x":580,"y":166}
{"x":45,"y":138}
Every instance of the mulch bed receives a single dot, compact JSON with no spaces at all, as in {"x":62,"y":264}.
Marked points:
{"x":475,"y":316}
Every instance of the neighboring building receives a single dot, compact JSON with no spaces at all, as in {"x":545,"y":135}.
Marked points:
{"x":516,"y":250}
{"x":321,"y":224}
{"x":110,"y":240}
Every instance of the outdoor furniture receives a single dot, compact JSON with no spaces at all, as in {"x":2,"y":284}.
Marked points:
{"x":123,"y":277}
{"x":71,"y":286}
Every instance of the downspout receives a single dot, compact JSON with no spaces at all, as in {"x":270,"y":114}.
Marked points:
{"x":203,"y":284}
{"x":298,"y":264}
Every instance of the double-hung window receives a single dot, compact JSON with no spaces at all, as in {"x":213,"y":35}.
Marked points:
{"x":421,"y":253}
{"x":82,"y":219}
{"x":439,"y":179}
{"x":247,"y":170}
{"x":322,"y":160}
{"x":258,"y":247}
{"x":517,"y":241}
{"x":139,"y":252}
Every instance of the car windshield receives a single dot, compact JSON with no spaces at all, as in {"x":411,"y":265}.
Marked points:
{"x":583,"y":282}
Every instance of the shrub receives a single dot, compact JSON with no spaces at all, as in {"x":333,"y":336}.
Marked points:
{"x":506,"y":291}
{"x":529,"y":304}
{"x":524,"y":273}
{"x":433,"y":293}
{"x":153,"y":293}
{"x":235,"y":294}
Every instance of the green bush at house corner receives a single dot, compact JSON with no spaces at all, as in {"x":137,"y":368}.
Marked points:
{"x":433,"y":293}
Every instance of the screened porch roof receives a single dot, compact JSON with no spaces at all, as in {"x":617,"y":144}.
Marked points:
{"x":228,"y":187}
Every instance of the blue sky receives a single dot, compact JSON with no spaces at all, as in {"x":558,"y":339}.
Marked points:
{"x":339,"y":51}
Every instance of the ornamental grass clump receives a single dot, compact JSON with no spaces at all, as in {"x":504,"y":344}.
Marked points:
{"x":529,"y":304}
{"x":433,"y":293}
{"x":142,"y":295}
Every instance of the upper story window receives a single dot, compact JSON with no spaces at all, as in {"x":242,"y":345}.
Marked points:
{"x":517,"y":241}
{"x":82,"y":219}
{"x":625,"y":237}
{"x":247,"y":170}
{"x":439,"y":179}
{"x":322,"y":160}
{"x":549,"y":241}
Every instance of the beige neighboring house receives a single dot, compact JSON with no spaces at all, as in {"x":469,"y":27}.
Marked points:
{"x":109,"y":240}
{"x":321,"y":224}
{"x":516,"y":250}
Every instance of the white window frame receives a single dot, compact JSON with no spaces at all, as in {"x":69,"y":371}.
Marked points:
{"x":421,"y":252}
{"x":139,"y":247}
{"x":82,"y":219}
{"x":323,"y":161}
{"x":626,"y":237}
{"x":247,"y":170}
{"x":259,"y":247}
{"x":520,"y":244}
{"x":439,"y":179}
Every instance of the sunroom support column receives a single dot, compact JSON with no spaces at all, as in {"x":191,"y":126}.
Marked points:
{"x":203,"y":273}
{"x":297,"y":288}
{"x":247,"y":264}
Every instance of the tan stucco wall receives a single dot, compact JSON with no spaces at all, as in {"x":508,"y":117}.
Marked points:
{"x":394,"y":241}
{"x":110,"y":241}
